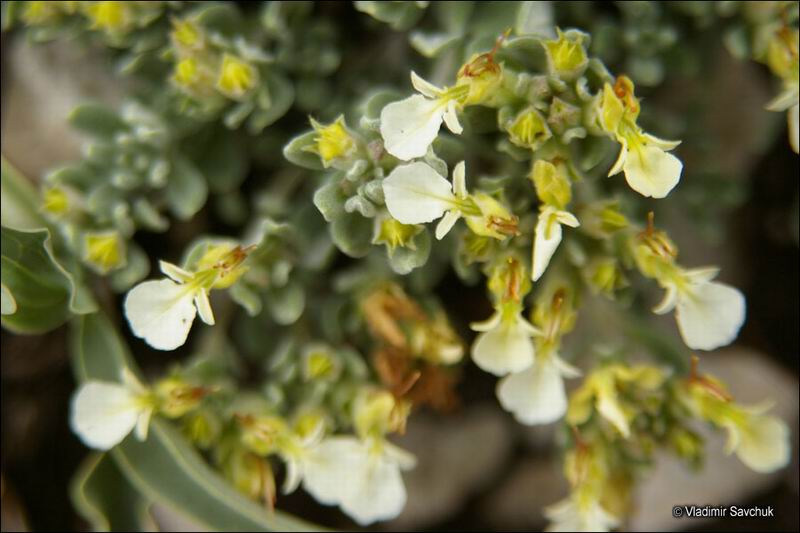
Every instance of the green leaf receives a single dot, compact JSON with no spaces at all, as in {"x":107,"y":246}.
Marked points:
{"x":352,"y":234}
{"x":247,"y":297}
{"x":399,"y":15}
{"x":281,"y":96}
{"x":97,"y":120}
{"x":286,"y":303}
{"x":165,"y":468}
{"x":404,"y":260}
{"x":19,"y":200}
{"x":186,"y":189}
{"x":296,"y":151}
{"x":44,"y":292}
{"x":105,"y":498}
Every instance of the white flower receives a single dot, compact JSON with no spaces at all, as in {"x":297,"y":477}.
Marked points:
{"x":162,"y":312}
{"x":787,"y":100}
{"x":103,"y":413}
{"x":416,"y":194}
{"x":548,"y":237}
{"x":408,"y":127}
{"x":649,"y":169}
{"x":709,"y":314}
{"x":505,"y":344}
{"x":579,"y":514}
{"x":363,"y":477}
{"x":536,"y":395}
{"x":761,"y":442}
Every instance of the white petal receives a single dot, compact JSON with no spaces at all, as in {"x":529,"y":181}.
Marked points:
{"x":161,"y":312}
{"x":709,"y":315}
{"x":204,"y":307}
{"x":548,"y":237}
{"x":174,"y":272}
{"x":409,"y":126}
{"x":567,"y":219}
{"x":451,"y":118}
{"x":447,"y":223}
{"x":381,"y":495}
{"x":764,"y":444}
{"x":330,"y":468}
{"x":460,"y":179}
{"x":661,"y":143}
{"x":536,"y":395}
{"x":620,"y":162}
{"x":702,"y":274}
{"x":143,"y":424}
{"x":792,"y":117}
{"x":294,"y":475}
{"x":505,"y":349}
{"x":785,"y":100}
{"x":102,"y":414}
{"x":415,"y":194}
{"x":651,"y":171}
{"x":667,"y":304}
{"x":425,"y":87}
{"x":488,"y":324}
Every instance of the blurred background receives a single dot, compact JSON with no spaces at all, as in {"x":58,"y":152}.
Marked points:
{"x":477,"y":468}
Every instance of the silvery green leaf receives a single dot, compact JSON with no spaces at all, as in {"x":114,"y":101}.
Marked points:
{"x":297,"y":151}
{"x":136,"y":269}
{"x":399,"y":15}
{"x":356,"y":170}
{"x":330,"y":200}
{"x":97,"y":120}
{"x":436,"y":163}
{"x":148,"y":217}
{"x":106,"y":499}
{"x":361,"y":205}
{"x":375,"y":101}
{"x":237,"y":114}
{"x":219,"y":17}
{"x":535,"y":18}
{"x":281,"y":93}
{"x":403,"y":259}
{"x":352,"y":234}
{"x":432,"y":44}
{"x":374,"y":191}
{"x":286,"y":303}
{"x":76,"y":175}
{"x":165,"y":468}
{"x":454,"y":16}
{"x":247,"y":297}
{"x":186,"y":189}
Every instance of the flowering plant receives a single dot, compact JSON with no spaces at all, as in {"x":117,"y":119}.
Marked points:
{"x":321,"y":331}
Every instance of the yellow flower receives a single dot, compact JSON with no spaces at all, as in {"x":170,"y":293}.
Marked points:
{"x":109,"y":16}
{"x":332,"y":140}
{"x":529,"y":129}
{"x":566,"y":55}
{"x":55,"y":201}
{"x":236,"y":77}
{"x":396,"y":234}
{"x":604,"y":391}
{"x":186,"y":34}
{"x":186,"y":72}
{"x":105,"y":250}
{"x":552,"y":183}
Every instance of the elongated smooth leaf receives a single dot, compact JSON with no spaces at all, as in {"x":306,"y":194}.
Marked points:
{"x":19,"y":201}
{"x":106,"y":499}
{"x":97,"y":120}
{"x":44,"y":292}
{"x":186,"y":190}
{"x":165,"y":468}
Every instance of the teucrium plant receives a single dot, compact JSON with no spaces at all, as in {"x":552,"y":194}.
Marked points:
{"x":343,"y":351}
